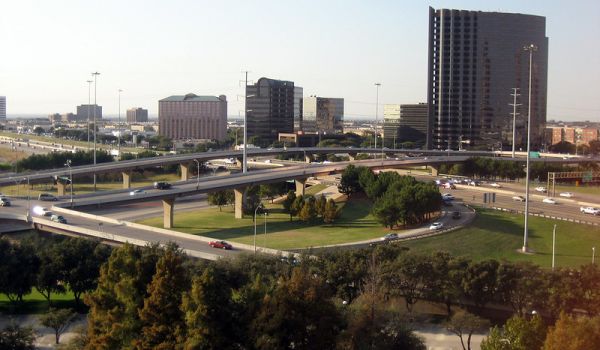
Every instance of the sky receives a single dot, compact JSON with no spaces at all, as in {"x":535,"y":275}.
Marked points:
{"x":152,"y":49}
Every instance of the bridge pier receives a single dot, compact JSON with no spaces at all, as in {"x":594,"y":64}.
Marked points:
{"x":434,"y":170}
{"x":126,"y":179}
{"x":352,"y":156}
{"x":239,"y":162}
{"x":61,"y":187}
{"x":185,"y":171}
{"x":239,"y":194}
{"x":168,"y":208}
{"x":309,"y":158}
{"x":300,"y":186}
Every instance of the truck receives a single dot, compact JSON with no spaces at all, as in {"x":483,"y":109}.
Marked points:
{"x":590,"y":210}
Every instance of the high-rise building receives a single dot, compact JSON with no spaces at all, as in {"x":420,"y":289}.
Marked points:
{"x":405,"y":123}
{"x":298,"y":105}
{"x":323,"y":115}
{"x":475,"y":60}
{"x":193,"y":117}
{"x":85,"y":111}
{"x":137,"y":115}
{"x":270,"y":109}
{"x":2,"y":107}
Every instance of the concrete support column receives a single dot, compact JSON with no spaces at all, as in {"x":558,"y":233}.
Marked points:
{"x":351,"y":156}
{"x":434,"y":170}
{"x":309,"y":158}
{"x":61,"y":187}
{"x":185,"y":171}
{"x":239,"y":162}
{"x":300,"y":186}
{"x":239,"y":194}
{"x":126,"y":179}
{"x":168,"y":208}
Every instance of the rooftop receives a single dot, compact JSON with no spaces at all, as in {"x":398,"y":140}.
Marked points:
{"x":191,"y":98}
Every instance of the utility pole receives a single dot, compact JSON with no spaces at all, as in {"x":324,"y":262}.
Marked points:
{"x":531,"y":48}
{"x":88,"y":112}
{"x":553,"y":245}
{"x":244,"y":151}
{"x":514,"y":115}
{"x":119,"y":129}
{"x":377,"y":117}
{"x":95,"y":74}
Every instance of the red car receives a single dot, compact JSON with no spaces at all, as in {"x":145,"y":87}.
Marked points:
{"x":220,"y":245}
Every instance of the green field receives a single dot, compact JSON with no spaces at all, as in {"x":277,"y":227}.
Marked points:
{"x":313,"y":190}
{"x":34,"y":302}
{"x":355,"y":224}
{"x":499,"y":235}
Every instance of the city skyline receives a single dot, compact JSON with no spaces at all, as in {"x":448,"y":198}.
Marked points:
{"x":181,"y":48}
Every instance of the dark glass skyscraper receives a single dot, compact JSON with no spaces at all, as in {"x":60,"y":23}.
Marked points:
{"x":270,"y":105}
{"x":475,"y":60}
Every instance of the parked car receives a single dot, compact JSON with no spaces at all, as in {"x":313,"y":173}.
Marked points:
{"x":137,"y":192}
{"x":390,"y":237}
{"x":567,"y":194}
{"x":549,"y":201}
{"x":47,"y":197}
{"x":456,"y":215}
{"x":449,"y":185}
{"x":590,"y":210}
{"x":220,"y":245}
{"x":436,"y":226}
{"x":4,"y":202}
{"x":541,"y":189}
{"x":447,"y":196}
{"x":58,"y":218}
{"x":495,"y":185}
{"x":162,"y":185}
{"x":519,"y":198}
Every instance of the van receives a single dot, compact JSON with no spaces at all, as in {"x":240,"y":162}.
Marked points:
{"x":47,"y":197}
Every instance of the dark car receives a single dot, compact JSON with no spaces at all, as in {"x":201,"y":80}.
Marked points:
{"x":456,"y":215}
{"x":162,"y":185}
{"x":4,"y":202}
{"x":58,"y":218}
{"x":220,"y":245}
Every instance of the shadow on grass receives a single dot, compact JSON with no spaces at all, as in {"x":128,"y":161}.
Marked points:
{"x":489,"y":220}
{"x":38,"y":306}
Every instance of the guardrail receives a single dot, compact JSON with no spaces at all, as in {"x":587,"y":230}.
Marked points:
{"x":577,"y":221}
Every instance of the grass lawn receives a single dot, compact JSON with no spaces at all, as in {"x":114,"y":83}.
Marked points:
{"x":35,"y":303}
{"x":499,"y":235}
{"x":355,"y":224}
{"x":312,"y":190}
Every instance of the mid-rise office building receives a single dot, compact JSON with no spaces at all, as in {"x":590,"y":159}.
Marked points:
{"x":270,"y":109}
{"x":475,"y":60}
{"x":193,"y":117}
{"x":323,"y":115}
{"x":574,"y":135}
{"x":2,"y":108}
{"x":298,"y":106}
{"x":137,"y":115}
{"x":54,"y":118}
{"x":85,"y":112}
{"x":405,"y":123}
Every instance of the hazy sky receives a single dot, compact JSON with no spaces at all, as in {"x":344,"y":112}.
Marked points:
{"x":153,"y":49}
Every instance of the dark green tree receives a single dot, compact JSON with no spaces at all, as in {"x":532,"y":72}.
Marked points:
{"x":288,"y":203}
{"x":15,"y":337}
{"x":18,"y":269}
{"x":308,"y":213}
{"x":320,"y":204}
{"x":297,"y":205}
{"x":220,"y":198}
{"x":349,"y":183}
{"x":480,"y":282}
{"x":50,"y":272}
{"x":58,"y":320}
{"x":517,"y":334}
{"x":464,"y":324}
{"x":331,"y":212}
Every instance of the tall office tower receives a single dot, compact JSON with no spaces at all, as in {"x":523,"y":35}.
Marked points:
{"x":298,"y":105}
{"x":475,"y":60}
{"x":193,"y":117}
{"x":270,"y":105}
{"x":84,"y":110}
{"x":137,"y":115}
{"x":405,"y":123}
{"x":323,"y":115}
{"x":2,"y":107}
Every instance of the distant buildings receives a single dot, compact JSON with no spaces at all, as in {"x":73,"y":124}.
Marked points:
{"x":575,"y":135}
{"x":298,"y":107}
{"x":405,"y":123}
{"x":137,"y":115}
{"x":323,"y":115}
{"x":85,"y":112}
{"x":193,"y":117}
{"x":2,"y":108}
{"x":475,"y":60}
{"x":270,"y":108}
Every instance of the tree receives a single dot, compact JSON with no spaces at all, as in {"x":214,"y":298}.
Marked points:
{"x":517,"y":334}
{"x":573,"y":333}
{"x":407,"y":277}
{"x":320,"y":204}
{"x":297,"y":205}
{"x":387,"y":211}
{"x":252,"y":200}
{"x":522,"y":285}
{"x":309,"y":211}
{"x":15,"y":337}
{"x":161,"y":317}
{"x":272,"y":190}
{"x":38,"y":130}
{"x":445,"y":278}
{"x":330,"y":212}
{"x":18,"y":269}
{"x":288,"y":203}
{"x":220,"y":198}
{"x":480,"y":281}
{"x":49,"y":274}
{"x":59,"y":320}
{"x":465,"y":324}
{"x":349,"y":183}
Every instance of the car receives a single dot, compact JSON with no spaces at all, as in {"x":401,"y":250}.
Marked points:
{"x":162,"y":185}
{"x":456,"y":215}
{"x":447,"y":196}
{"x":519,"y":198}
{"x":4,"y":202}
{"x":390,"y":237}
{"x":268,"y":161}
{"x":47,"y":197}
{"x":495,"y":185}
{"x":436,"y":226}
{"x":549,"y":201}
{"x":58,"y":218}
{"x":137,"y":192}
{"x":590,"y":210}
{"x":567,"y":194}
{"x":220,"y":245}
{"x":449,"y":185}
{"x":474,"y":183}
{"x":541,"y":189}
{"x":41,"y":211}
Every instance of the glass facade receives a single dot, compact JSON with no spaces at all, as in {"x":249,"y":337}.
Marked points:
{"x":323,"y":115}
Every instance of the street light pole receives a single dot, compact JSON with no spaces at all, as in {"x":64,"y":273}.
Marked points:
{"x":119,"y":130}
{"x":28,"y":199}
{"x":593,"y":251}
{"x":255,"y":210}
{"x":553,"y":245}
{"x":377,"y":116}
{"x":68,"y":164}
{"x":88,"y":112}
{"x":198,"y":177}
{"x":514,"y":130}
{"x":265,"y":237}
{"x":531,"y":48}
{"x":244,"y":151}
{"x":95,"y":74}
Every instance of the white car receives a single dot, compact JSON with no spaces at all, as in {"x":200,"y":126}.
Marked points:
{"x":496,"y":185}
{"x":590,"y":210}
{"x":567,"y":194}
{"x":519,"y":198}
{"x":390,"y":237}
{"x":549,"y":201}
{"x":541,"y":189}
{"x":136,"y":192}
{"x":447,"y":196}
{"x":436,"y":226}
{"x":41,"y":211}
